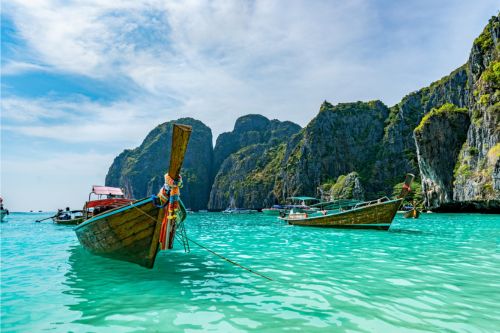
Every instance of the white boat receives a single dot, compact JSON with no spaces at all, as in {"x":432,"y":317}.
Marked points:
{"x":233,"y":210}
{"x":230,"y":210}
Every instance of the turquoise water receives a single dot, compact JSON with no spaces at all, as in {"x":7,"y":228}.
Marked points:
{"x":439,"y":273}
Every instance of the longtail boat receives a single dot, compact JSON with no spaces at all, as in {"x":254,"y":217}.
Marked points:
{"x":376,"y":214}
{"x":274,"y":210}
{"x":136,"y":232}
{"x":232,"y":209}
{"x":104,"y":198}
{"x":69,"y":217}
{"x":301,"y":203}
{"x":412,"y":214}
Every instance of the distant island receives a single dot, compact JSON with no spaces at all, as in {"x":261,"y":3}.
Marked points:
{"x":447,"y":134}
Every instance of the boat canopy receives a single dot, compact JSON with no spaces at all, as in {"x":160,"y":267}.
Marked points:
{"x":106,"y":190}
{"x":107,"y":202}
{"x":336,"y":204}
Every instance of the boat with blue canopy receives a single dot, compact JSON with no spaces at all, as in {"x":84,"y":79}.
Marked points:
{"x":375,"y":214}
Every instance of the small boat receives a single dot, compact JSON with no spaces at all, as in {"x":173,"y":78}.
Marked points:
{"x":302,"y":203}
{"x":104,"y":198}
{"x":414,"y":213}
{"x":233,"y":210}
{"x":69,"y":217}
{"x":3,"y":212}
{"x":274,"y":210}
{"x":230,"y":210}
{"x":376,"y":214}
{"x":203,"y":211}
{"x":136,"y":231}
{"x":296,"y":204}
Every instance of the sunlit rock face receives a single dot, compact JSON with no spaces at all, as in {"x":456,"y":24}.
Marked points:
{"x":245,"y":162}
{"x":439,"y":139}
{"x":140,"y":171}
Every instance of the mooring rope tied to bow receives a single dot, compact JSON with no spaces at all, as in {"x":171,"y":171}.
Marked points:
{"x":230,"y":261}
{"x":169,"y":199}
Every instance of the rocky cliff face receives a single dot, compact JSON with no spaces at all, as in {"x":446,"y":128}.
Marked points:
{"x":439,"y":138}
{"x":478,"y":170}
{"x":249,"y":130}
{"x":345,"y":187}
{"x":140,"y":171}
{"x":339,"y":140}
{"x":262,"y":161}
{"x":398,"y":155}
{"x":241,"y":158}
{"x":475,"y":179}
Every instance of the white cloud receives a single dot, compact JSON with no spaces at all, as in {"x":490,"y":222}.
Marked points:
{"x":80,"y":120}
{"x":218,"y":60}
{"x":279,"y":58}
{"x":19,"y":67}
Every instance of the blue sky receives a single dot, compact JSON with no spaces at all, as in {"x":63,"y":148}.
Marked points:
{"x":83,"y":80}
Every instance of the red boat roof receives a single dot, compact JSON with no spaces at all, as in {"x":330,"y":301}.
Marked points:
{"x":106,"y":190}
{"x":107,"y":202}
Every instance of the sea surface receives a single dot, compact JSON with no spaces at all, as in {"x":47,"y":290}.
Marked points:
{"x":440,"y":273}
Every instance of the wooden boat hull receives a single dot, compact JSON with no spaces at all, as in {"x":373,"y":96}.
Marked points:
{"x":412,"y":214}
{"x":375,"y":216}
{"x":76,"y":221}
{"x":129,"y":233}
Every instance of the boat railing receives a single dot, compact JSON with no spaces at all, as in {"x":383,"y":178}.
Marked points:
{"x":372,"y":202}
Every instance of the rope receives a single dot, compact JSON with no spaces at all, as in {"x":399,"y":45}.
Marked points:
{"x":169,"y":196}
{"x":230,"y":261}
{"x":186,"y":245}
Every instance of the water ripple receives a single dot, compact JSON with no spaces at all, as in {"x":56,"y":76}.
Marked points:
{"x":438,"y":273}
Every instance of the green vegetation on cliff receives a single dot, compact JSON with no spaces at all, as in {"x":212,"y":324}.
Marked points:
{"x":341,"y":139}
{"x":447,"y":110}
{"x":140,"y":171}
{"x":249,"y":158}
{"x":264,"y":161}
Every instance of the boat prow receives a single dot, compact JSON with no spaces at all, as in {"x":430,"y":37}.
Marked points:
{"x":136,"y":231}
{"x":130,"y":233}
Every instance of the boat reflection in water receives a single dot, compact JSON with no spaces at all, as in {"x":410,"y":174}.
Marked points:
{"x":114,"y":294}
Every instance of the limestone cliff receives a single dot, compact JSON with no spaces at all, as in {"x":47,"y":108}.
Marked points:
{"x":478,"y":171}
{"x":240,"y":160}
{"x":140,"y":171}
{"x":475,"y":181}
{"x":249,"y":130}
{"x":344,"y":187}
{"x":262,"y":161}
{"x":439,"y":138}
{"x":339,"y":140}
{"x":398,"y":155}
